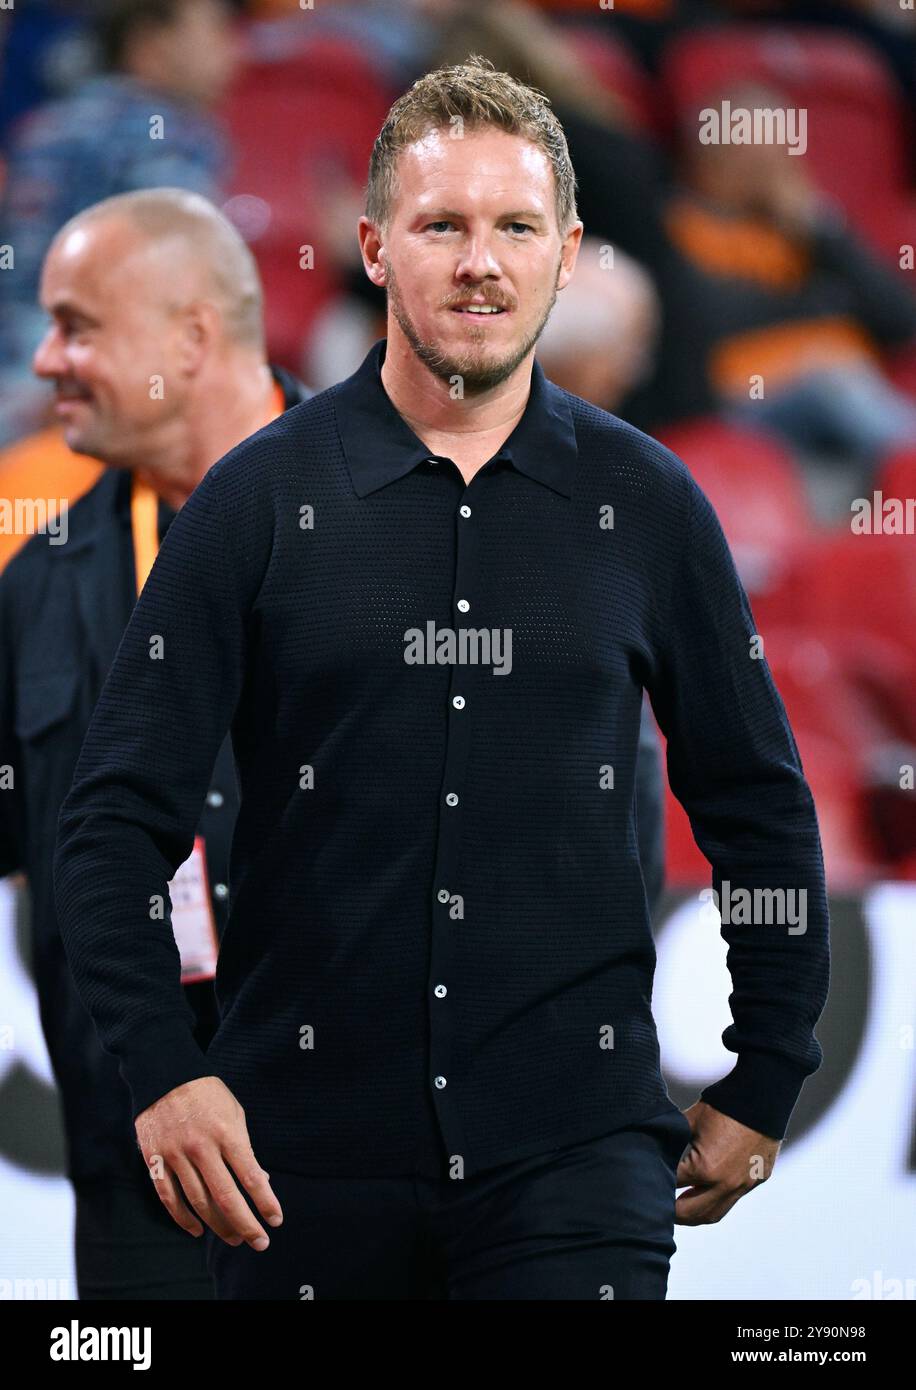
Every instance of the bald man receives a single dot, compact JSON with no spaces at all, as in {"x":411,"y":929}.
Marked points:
{"x":155,"y":350}
{"x":601,"y":337}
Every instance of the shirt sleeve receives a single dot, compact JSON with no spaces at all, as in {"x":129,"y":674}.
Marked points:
{"x":131,"y":814}
{"x":734,"y":766}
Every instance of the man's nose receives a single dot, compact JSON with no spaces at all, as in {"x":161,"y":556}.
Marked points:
{"x":478,"y":261}
{"x":49,"y":359}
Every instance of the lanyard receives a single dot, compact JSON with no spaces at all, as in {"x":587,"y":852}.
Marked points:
{"x":144,"y":509}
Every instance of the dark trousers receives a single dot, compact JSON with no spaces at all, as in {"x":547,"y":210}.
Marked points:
{"x":128,"y":1247}
{"x":591,"y":1221}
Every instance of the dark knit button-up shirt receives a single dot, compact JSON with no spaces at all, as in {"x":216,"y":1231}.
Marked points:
{"x":438,"y":948}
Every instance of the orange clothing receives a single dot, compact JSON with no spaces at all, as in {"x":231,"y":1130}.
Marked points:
{"x":796,"y":340}
{"x":43,"y":467}
{"x":144,"y":506}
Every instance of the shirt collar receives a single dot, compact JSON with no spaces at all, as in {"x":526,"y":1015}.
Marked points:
{"x":380,"y":446}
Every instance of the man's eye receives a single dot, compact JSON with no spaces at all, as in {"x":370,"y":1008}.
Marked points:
{"x":522,"y":226}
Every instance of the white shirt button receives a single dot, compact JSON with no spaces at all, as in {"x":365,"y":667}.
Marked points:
{"x":440,"y":991}
{"x":440,"y":1083}
{"x":443,"y":895}
{"x":464,"y":509}
{"x":451,"y":799}
{"x":463,"y":605}
{"x":458,"y":701}
{"x":214,"y":798}
{"x":220,"y":890}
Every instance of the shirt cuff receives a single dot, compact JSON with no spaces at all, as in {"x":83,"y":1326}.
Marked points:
{"x":760,"y":1092}
{"x":158,"y":1058}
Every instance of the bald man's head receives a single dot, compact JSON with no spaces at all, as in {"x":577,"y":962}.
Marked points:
{"x":198,"y":250}
{"x":600,"y":339}
{"x":155,"y":304}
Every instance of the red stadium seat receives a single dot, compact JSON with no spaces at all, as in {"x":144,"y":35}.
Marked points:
{"x":905,"y":871}
{"x":838,"y":731}
{"x":756,"y":491}
{"x":838,"y":800}
{"x":900,"y":366}
{"x":883,"y":672}
{"x":891,"y":226}
{"x":819,"y":693}
{"x":299,"y":122}
{"x":852,"y":583}
{"x":847,"y":692}
{"x":616,"y":68}
{"x":685,"y":865}
{"x":840,"y":804}
{"x":897,"y":475}
{"x":856,"y":121}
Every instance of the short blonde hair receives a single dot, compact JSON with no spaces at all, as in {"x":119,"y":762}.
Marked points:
{"x":481,"y":97}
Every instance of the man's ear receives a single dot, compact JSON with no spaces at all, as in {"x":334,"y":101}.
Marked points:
{"x":569,"y":253}
{"x":372,"y":251}
{"x":200,"y":328}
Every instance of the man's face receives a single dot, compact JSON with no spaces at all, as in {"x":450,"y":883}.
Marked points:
{"x":474,"y":221}
{"x":200,"y":50}
{"x":112,"y":340}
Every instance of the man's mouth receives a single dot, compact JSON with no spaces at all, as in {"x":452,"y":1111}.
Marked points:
{"x":67,"y":395}
{"x":480,"y":311}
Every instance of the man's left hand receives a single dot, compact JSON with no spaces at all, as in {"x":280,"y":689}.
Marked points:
{"x":724,"y":1160}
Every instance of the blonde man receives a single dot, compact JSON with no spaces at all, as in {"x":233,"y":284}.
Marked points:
{"x":428,"y":602}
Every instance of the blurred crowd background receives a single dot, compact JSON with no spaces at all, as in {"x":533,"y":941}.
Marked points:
{"x":708,"y":271}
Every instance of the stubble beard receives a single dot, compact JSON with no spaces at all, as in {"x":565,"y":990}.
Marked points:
{"x":476,"y":374}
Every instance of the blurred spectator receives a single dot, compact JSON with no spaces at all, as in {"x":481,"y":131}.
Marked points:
{"x":396,"y":35}
{"x":887,"y":26}
{"x":789,"y":299}
{"x":644,"y":25}
{"x":144,"y":122}
{"x":600,"y":339}
{"x":46,"y":48}
{"x":170,"y":288}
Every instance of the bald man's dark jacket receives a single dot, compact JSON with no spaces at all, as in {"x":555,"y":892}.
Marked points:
{"x":63,"y":611}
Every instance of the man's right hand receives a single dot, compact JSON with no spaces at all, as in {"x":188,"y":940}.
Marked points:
{"x":194,"y":1139}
